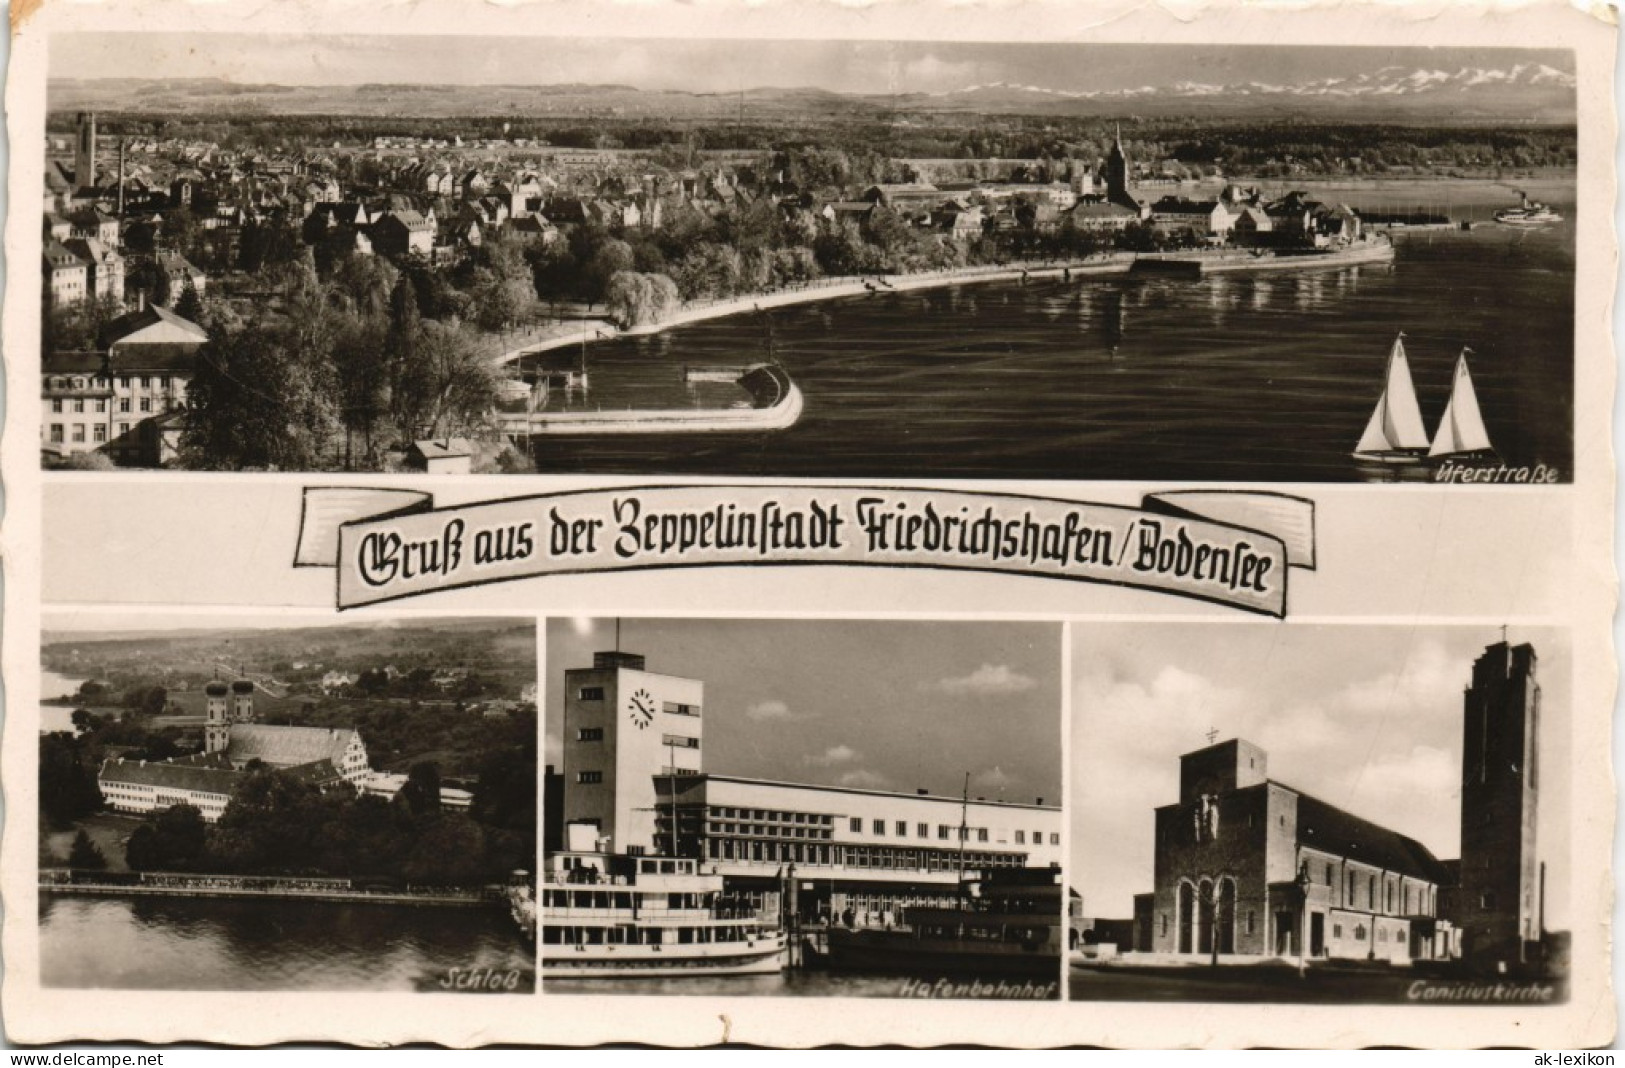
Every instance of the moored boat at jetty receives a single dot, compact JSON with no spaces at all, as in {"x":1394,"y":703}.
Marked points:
{"x":1007,"y":923}
{"x":608,"y":916}
{"x":775,"y":403}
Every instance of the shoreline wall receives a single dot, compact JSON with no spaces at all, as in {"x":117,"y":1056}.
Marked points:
{"x":1114,"y":263}
{"x":203,"y":887}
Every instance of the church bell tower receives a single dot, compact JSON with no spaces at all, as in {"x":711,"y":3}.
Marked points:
{"x":1117,"y":170}
{"x":1500,"y":794}
{"x":84,"y":150}
{"x":216,"y":718}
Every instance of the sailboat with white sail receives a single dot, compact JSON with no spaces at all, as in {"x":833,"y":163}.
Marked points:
{"x":1395,"y":434}
{"x":1461,"y":435}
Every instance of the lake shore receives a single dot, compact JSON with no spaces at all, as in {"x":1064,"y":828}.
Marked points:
{"x":59,"y":882}
{"x":1482,"y":191}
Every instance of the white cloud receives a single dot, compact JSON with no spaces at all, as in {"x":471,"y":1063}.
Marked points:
{"x":1382,"y":743}
{"x":768,"y":710}
{"x":930,"y":73}
{"x":1428,"y":676}
{"x":987,"y":679}
{"x":835,"y":754}
{"x":863,"y":779}
{"x":994,"y":780}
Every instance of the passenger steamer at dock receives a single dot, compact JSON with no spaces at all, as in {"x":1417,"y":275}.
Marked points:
{"x":607,"y":916}
{"x":1008,"y":923}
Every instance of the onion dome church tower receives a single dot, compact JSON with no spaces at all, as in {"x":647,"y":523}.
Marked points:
{"x":242,"y":701}
{"x":217,"y":720}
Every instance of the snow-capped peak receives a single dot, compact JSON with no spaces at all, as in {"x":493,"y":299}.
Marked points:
{"x":1388,"y":81}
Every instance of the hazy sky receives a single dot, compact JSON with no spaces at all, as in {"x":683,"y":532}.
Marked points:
{"x":873,"y":704}
{"x":726,"y":66}
{"x":1367,"y":718}
{"x":145,"y":622}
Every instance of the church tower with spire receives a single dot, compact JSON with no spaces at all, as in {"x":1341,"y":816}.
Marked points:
{"x":1117,"y":171}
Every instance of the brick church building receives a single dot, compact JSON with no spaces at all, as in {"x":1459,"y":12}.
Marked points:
{"x":1249,"y":866}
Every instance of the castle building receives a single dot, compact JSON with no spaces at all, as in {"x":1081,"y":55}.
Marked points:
{"x":232,"y":740}
{"x":633,"y":770}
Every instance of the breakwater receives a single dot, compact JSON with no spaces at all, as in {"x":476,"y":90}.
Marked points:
{"x":1228,"y":261}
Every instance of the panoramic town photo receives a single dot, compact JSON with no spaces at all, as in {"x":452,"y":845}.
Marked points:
{"x":808,"y":258}
{"x":226,"y":805}
{"x":802,"y":808}
{"x":1334,"y":814}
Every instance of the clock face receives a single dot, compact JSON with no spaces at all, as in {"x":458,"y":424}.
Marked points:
{"x":641,"y":709}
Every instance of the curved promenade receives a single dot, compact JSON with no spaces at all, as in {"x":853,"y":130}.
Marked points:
{"x":1111,"y":263}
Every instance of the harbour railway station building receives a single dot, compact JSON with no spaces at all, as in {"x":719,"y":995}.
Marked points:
{"x":633,"y":771}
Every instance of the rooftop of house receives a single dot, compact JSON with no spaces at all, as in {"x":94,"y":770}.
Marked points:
{"x":1329,"y":828}
{"x":209,"y":773}
{"x":120,"y":330}
{"x":77,"y":362}
{"x":443,"y":448}
{"x":288,"y":746}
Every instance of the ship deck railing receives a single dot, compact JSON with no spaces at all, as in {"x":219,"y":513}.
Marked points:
{"x":627,"y":914}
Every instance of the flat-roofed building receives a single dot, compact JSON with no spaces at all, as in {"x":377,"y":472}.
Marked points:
{"x":634,"y":773}
{"x":867,"y":850}
{"x":623,"y":725}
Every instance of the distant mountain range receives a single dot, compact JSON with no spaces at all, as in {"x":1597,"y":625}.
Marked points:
{"x":1522,"y":93}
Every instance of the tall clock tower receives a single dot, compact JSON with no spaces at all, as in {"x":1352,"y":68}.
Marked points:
{"x":623,"y":725}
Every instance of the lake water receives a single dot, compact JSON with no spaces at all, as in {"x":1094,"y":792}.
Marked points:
{"x":1260,"y":378}
{"x":175,"y":943}
{"x":56,"y":717}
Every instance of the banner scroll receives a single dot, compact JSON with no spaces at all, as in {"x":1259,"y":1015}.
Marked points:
{"x":1230,"y":548}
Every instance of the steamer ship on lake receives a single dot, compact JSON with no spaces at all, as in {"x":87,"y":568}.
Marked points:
{"x":1008,"y":923}
{"x":608,"y":916}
